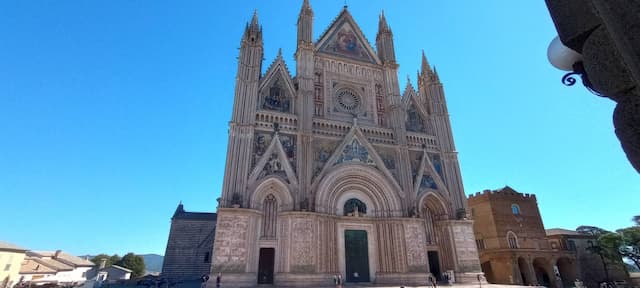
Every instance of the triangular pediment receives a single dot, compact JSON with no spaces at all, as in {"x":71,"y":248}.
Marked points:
{"x":356,"y":149}
{"x":345,"y":39}
{"x":274,"y":162}
{"x":427,"y":178}
{"x":417,"y":116}
{"x":276,"y":89}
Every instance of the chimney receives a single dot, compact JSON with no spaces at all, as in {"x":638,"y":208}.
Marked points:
{"x":103,"y":263}
{"x":57,"y":253}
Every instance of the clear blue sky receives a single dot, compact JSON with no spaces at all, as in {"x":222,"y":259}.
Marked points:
{"x":111,"y":112}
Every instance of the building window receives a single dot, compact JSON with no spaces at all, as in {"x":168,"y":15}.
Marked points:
{"x":571,"y":245}
{"x":480,"y":244}
{"x":270,"y":214}
{"x":7,"y":267}
{"x":207,"y":257}
{"x":515,"y":209}
{"x":512,"y":240}
{"x":354,"y":206}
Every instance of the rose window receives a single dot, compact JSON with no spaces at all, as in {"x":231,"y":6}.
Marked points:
{"x":348,"y":101}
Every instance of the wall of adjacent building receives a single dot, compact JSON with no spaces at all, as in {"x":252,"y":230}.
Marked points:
{"x":10,"y":262}
{"x":591,"y":266}
{"x":187,"y":246}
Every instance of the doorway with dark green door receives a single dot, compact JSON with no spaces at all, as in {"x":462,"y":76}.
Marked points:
{"x":356,"y":252}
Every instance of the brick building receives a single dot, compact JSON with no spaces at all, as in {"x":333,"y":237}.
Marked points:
{"x":513,"y":244}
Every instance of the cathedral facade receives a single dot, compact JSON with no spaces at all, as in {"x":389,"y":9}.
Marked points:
{"x":336,"y":171}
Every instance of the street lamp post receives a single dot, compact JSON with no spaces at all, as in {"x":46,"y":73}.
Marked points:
{"x":605,"y":52}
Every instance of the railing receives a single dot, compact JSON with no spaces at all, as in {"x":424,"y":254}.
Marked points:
{"x":416,"y":140}
{"x":286,"y":122}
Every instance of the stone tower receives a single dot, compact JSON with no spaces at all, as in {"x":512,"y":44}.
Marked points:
{"x":335,"y":171}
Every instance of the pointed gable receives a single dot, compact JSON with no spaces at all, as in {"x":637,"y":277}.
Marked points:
{"x":275,"y":161}
{"x":345,"y":39}
{"x":416,"y":114}
{"x":356,"y":149}
{"x":355,"y":152}
{"x":427,"y":177}
{"x":276,"y":88}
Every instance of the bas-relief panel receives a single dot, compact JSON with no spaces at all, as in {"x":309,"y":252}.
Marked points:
{"x":322,"y":151}
{"x":416,"y":254}
{"x":230,"y":251}
{"x":303,"y":245}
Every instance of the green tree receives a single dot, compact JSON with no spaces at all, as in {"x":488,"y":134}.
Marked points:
{"x":113,"y":259}
{"x":630,"y":244}
{"x":604,"y":246}
{"x":591,"y":230}
{"x":133,"y":262}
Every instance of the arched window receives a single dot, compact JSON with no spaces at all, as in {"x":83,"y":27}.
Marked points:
{"x":515,"y":209}
{"x":512,"y":240}
{"x":270,"y":211}
{"x":352,"y":205}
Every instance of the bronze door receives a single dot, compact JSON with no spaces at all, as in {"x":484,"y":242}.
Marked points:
{"x":356,"y":254}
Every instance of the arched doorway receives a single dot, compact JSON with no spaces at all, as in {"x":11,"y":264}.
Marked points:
{"x":567,"y":269}
{"x":542,"y":275}
{"x":524,"y":272}
{"x":433,"y":209}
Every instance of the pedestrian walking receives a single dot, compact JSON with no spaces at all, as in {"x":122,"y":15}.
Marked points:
{"x":218,"y":280}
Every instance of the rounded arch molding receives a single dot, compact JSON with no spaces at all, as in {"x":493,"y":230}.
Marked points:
{"x":364,"y":183}
{"x":436,"y":203}
{"x":274,"y":186}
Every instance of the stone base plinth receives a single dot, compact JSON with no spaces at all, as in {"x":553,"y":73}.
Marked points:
{"x":470,"y":278}
{"x":410,"y":279}
{"x":234,"y":280}
{"x":303,"y":280}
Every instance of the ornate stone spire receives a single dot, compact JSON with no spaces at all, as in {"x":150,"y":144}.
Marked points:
{"x":426,"y":68}
{"x":384,"y":41}
{"x":253,"y":31}
{"x":305,"y":23}
{"x":254,"y":20}
{"x":382,"y":24}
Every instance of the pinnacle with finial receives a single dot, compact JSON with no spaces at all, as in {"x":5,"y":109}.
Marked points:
{"x":382,"y":24}
{"x":254,"y":19}
{"x":409,"y":85}
{"x":425,"y":64}
{"x":306,"y":8}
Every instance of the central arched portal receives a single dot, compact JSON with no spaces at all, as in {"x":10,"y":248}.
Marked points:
{"x":359,"y":196}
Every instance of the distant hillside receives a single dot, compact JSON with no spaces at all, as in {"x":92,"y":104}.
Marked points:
{"x":153,"y":262}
